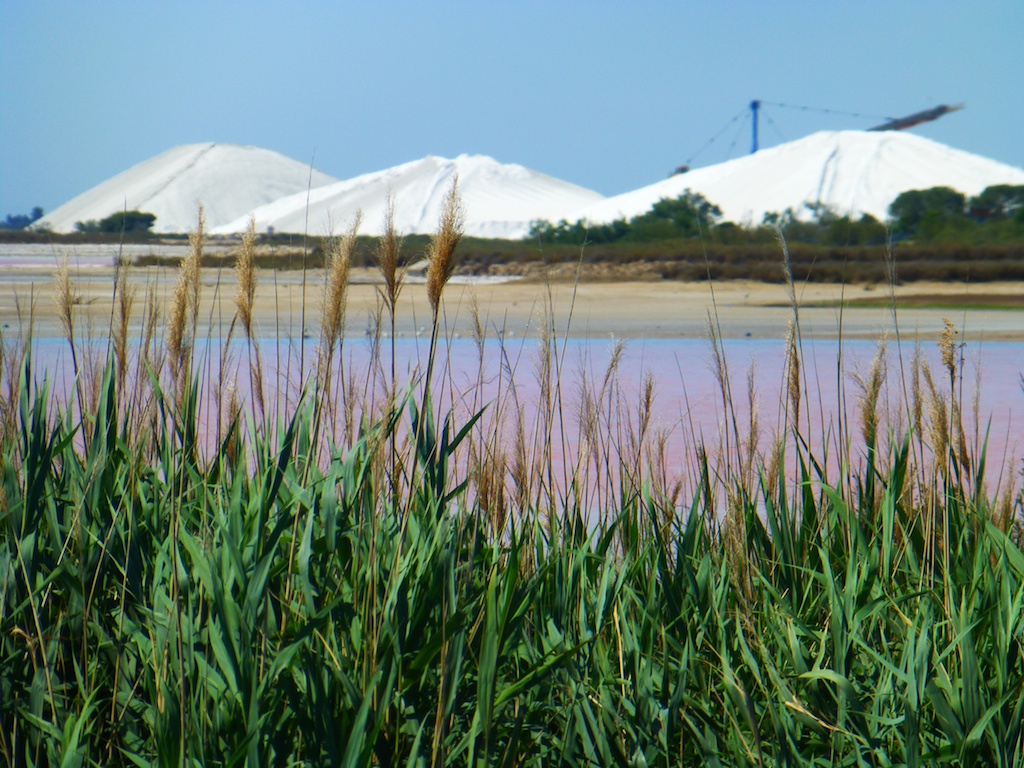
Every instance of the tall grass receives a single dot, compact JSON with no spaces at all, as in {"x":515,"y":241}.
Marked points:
{"x":383,"y":583}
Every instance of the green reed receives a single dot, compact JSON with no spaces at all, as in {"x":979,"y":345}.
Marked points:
{"x":292,"y":596}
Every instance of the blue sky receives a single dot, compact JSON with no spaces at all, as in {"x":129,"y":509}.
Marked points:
{"x":609,"y":95}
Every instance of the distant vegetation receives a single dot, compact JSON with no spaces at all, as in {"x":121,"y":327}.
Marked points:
{"x":134,"y":222}
{"x":941,"y":214}
{"x":688,"y":215}
{"x":722,"y":255}
{"x":21,"y":220}
{"x":934,"y":234}
{"x":936,"y":215}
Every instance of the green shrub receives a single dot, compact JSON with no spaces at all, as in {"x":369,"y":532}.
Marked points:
{"x":122,"y":222}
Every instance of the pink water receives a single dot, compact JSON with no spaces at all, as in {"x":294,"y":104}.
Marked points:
{"x":688,"y":408}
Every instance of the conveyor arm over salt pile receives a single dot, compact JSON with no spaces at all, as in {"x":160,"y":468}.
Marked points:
{"x":917,"y":118}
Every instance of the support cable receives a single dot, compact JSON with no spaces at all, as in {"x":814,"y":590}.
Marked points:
{"x":709,"y":142}
{"x":772,"y":123}
{"x":827,"y":111}
{"x":736,"y":138}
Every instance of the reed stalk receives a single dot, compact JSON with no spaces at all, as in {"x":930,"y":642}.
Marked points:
{"x":338,"y":264}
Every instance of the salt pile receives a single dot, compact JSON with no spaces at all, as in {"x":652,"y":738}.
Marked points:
{"x":228,"y":179}
{"x":500,"y":200}
{"x":851,"y":172}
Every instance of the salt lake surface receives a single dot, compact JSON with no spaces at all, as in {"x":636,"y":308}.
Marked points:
{"x":688,"y":405}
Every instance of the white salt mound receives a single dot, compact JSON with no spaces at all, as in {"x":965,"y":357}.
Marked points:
{"x":499,"y":200}
{"x":227,"y":179}
{"x":851,"y":172}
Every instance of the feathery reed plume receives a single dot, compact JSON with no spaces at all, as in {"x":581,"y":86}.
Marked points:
{"x":443,"y":245}
{"x":350,"y":398}
{"x":544,"y":366}
{"x":479,"y":335}
{"x":669,"y":491}
{"x":771,"y":470}
{"x":957,"y":431}
{"x":753,"y":431}
{"x":441,"y":265}
{"x":66,"y":300}
{"x":490,"y":482}
{"x":916,"y":399}
{"x":245,"y":276}
{"x":338,"y":255}
{"x":955,"y":438}
{"x":976,"y":404}
{"x":12,"y":356}
{"x":196,"y":242}
{"x":787,"y":271}
{"x":948,"y":346}
{"x":386,"y":255}
{"x":720,"y":370}
{"x":93,"y":364}
{"x":185,"y":310}
{"x":718,"y":366}
{"x":231,"y":426}
{"x":176,"y":320}
{"x":27,"y":318}
{"x":125,"y":303}
{"x":645,"y":411}
{"x":734,"y":535}
{"x":586,"y":419}
{"x":480,"y":342}
{"x":793,"y":374}
{"x":870,"y":389}
{"x":374,"y":334}
{"x":520,"y":469}
{"x":606,"y":406}
{"x":613,"y":367}
{"x":148,"y":361}
{"x":938,"y":417}
{"x":151,"y":318}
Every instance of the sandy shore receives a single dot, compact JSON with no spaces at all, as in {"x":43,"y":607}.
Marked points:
{"x":627,"y":309}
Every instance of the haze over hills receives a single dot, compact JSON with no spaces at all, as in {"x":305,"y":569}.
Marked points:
{"x":228,"y":179}
{"x":499,"y":200}
{"x":851,"y":172}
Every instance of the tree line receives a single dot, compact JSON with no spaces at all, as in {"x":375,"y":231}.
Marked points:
{"x":934,"y":215}
{"x":21,"y":220}
{"x":133,"y":222}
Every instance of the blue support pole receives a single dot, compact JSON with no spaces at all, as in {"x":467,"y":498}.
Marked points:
{"x":755,"y":105}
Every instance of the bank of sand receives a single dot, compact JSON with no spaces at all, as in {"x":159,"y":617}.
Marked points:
{"x":598,"y":309}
